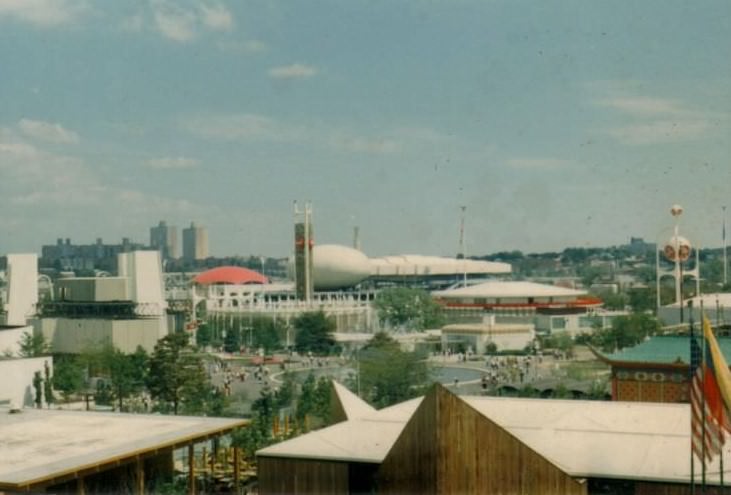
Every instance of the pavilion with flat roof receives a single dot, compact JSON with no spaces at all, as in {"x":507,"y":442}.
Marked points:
{"x":85,"y":452}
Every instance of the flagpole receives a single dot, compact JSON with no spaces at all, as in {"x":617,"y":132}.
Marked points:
{"x":703,"y":395}
{"x":718,"y":325}
{"x":725,"y":261}
{"x":691,"y":377}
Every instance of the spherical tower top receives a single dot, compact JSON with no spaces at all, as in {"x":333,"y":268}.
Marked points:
{"x":676,"y":210}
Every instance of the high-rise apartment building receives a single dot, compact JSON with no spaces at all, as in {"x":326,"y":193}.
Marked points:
{"x":195,"y":243}
{"x":164,"y":238}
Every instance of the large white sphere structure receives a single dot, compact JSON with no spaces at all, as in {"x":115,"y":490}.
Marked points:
{"x":336,"y":267}
{"x":677,"y":248}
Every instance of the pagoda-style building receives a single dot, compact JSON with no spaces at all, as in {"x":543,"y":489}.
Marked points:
{"x":656,"y":370}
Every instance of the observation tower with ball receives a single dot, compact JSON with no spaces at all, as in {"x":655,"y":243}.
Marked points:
{"x":677,"y":250}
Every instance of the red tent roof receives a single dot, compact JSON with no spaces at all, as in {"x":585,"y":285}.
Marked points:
{"x":233,"y":275}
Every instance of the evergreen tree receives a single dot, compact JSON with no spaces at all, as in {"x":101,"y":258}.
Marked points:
{"x":176,"y":376}
{"x":389,"y":375}
{"x":232,"y":341}
{"x":68,"y":375}
{"x":203,"y":335}
{"x":314,"y":333}
{"x":33,"y":345}
{"x":266,"y":334}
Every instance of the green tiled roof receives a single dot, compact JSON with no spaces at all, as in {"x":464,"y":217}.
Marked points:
{"x":665,"y":349}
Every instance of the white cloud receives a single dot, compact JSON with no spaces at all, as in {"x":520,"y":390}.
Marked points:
{"x":249,"y":47}
{"x":652,"y":120}
{"x":57,"y":193}
{"x":43,"y":13}
{"x":240,"y":127}
{"x":46,"y":131}
{"x":252,"y":127}
{"x":661,"y":131}
{"x":174,"y":22}
{"x":365,"y":145}
{"x":537,"y":163}
{"x":172,"y":162}
{"x":133,"y":24}
{"x":642,"y":106}
{"x":294,"y":71}
{"x":184,"y":22}
{"x":216,"y":17}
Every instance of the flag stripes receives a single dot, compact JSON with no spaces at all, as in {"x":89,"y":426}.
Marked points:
{"x":710,"y":418}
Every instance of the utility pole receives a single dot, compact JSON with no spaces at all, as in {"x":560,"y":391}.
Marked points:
{"x":462,"y":253}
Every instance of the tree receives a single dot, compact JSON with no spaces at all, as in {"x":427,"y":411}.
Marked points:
{"x":176,"y":376}
{"x":314,"y":332}
{"x":306,"y":400}
{"x":643,"y":299}
{"x":408,"y":308}
{"x":627,"y":331}
{"x":203,"y":335}
{"x":259,"y":433}
{"x":232,"y":341}
{"x":615,"y":301}
{"x":266,"y":334}
{"x":126,"y":373}
{"x":68,"y":375}
{"x":389,"y":375}
{"x":33,"y":345}
{"x":286,"y":392}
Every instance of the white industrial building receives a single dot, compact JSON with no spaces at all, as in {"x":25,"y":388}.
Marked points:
{"x":126,"y":311}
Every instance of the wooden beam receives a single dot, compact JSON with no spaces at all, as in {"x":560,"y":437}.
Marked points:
{"x":191,"y":468}
{"x":237,"y":468}
{"x":81,"y":485}
{"x":139,"y":476}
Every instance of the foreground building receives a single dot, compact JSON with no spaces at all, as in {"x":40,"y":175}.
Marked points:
{"x":56,"y":451}
{"x":444,"y":443}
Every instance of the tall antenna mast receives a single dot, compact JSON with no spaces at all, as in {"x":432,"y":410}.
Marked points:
{"x":462,"y":254}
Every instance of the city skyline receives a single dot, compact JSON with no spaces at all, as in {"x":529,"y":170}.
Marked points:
{"x":569,"y":125}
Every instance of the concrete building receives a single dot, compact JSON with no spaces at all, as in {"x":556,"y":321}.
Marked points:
{"x":195,"y":243}
{"x":16,"y":386}
{"x":444,"y":443}
{"x":164,"y":238}
{"x":98,"y":256}
{"x":477,"y":336}
{"x":22,"y":289}
{"x":125,"y":311}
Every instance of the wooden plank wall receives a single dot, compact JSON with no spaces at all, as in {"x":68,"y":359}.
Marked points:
{"x":448,"y":447}
{"x":299,"y":476}
{"x":410,"y":466}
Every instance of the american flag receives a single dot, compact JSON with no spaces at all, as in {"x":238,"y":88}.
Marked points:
{"x":709,"y":413}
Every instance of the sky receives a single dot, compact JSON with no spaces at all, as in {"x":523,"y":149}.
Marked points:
{"x":556,"y":124}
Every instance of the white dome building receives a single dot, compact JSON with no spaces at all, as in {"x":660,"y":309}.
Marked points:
{"x":337,"y":267}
